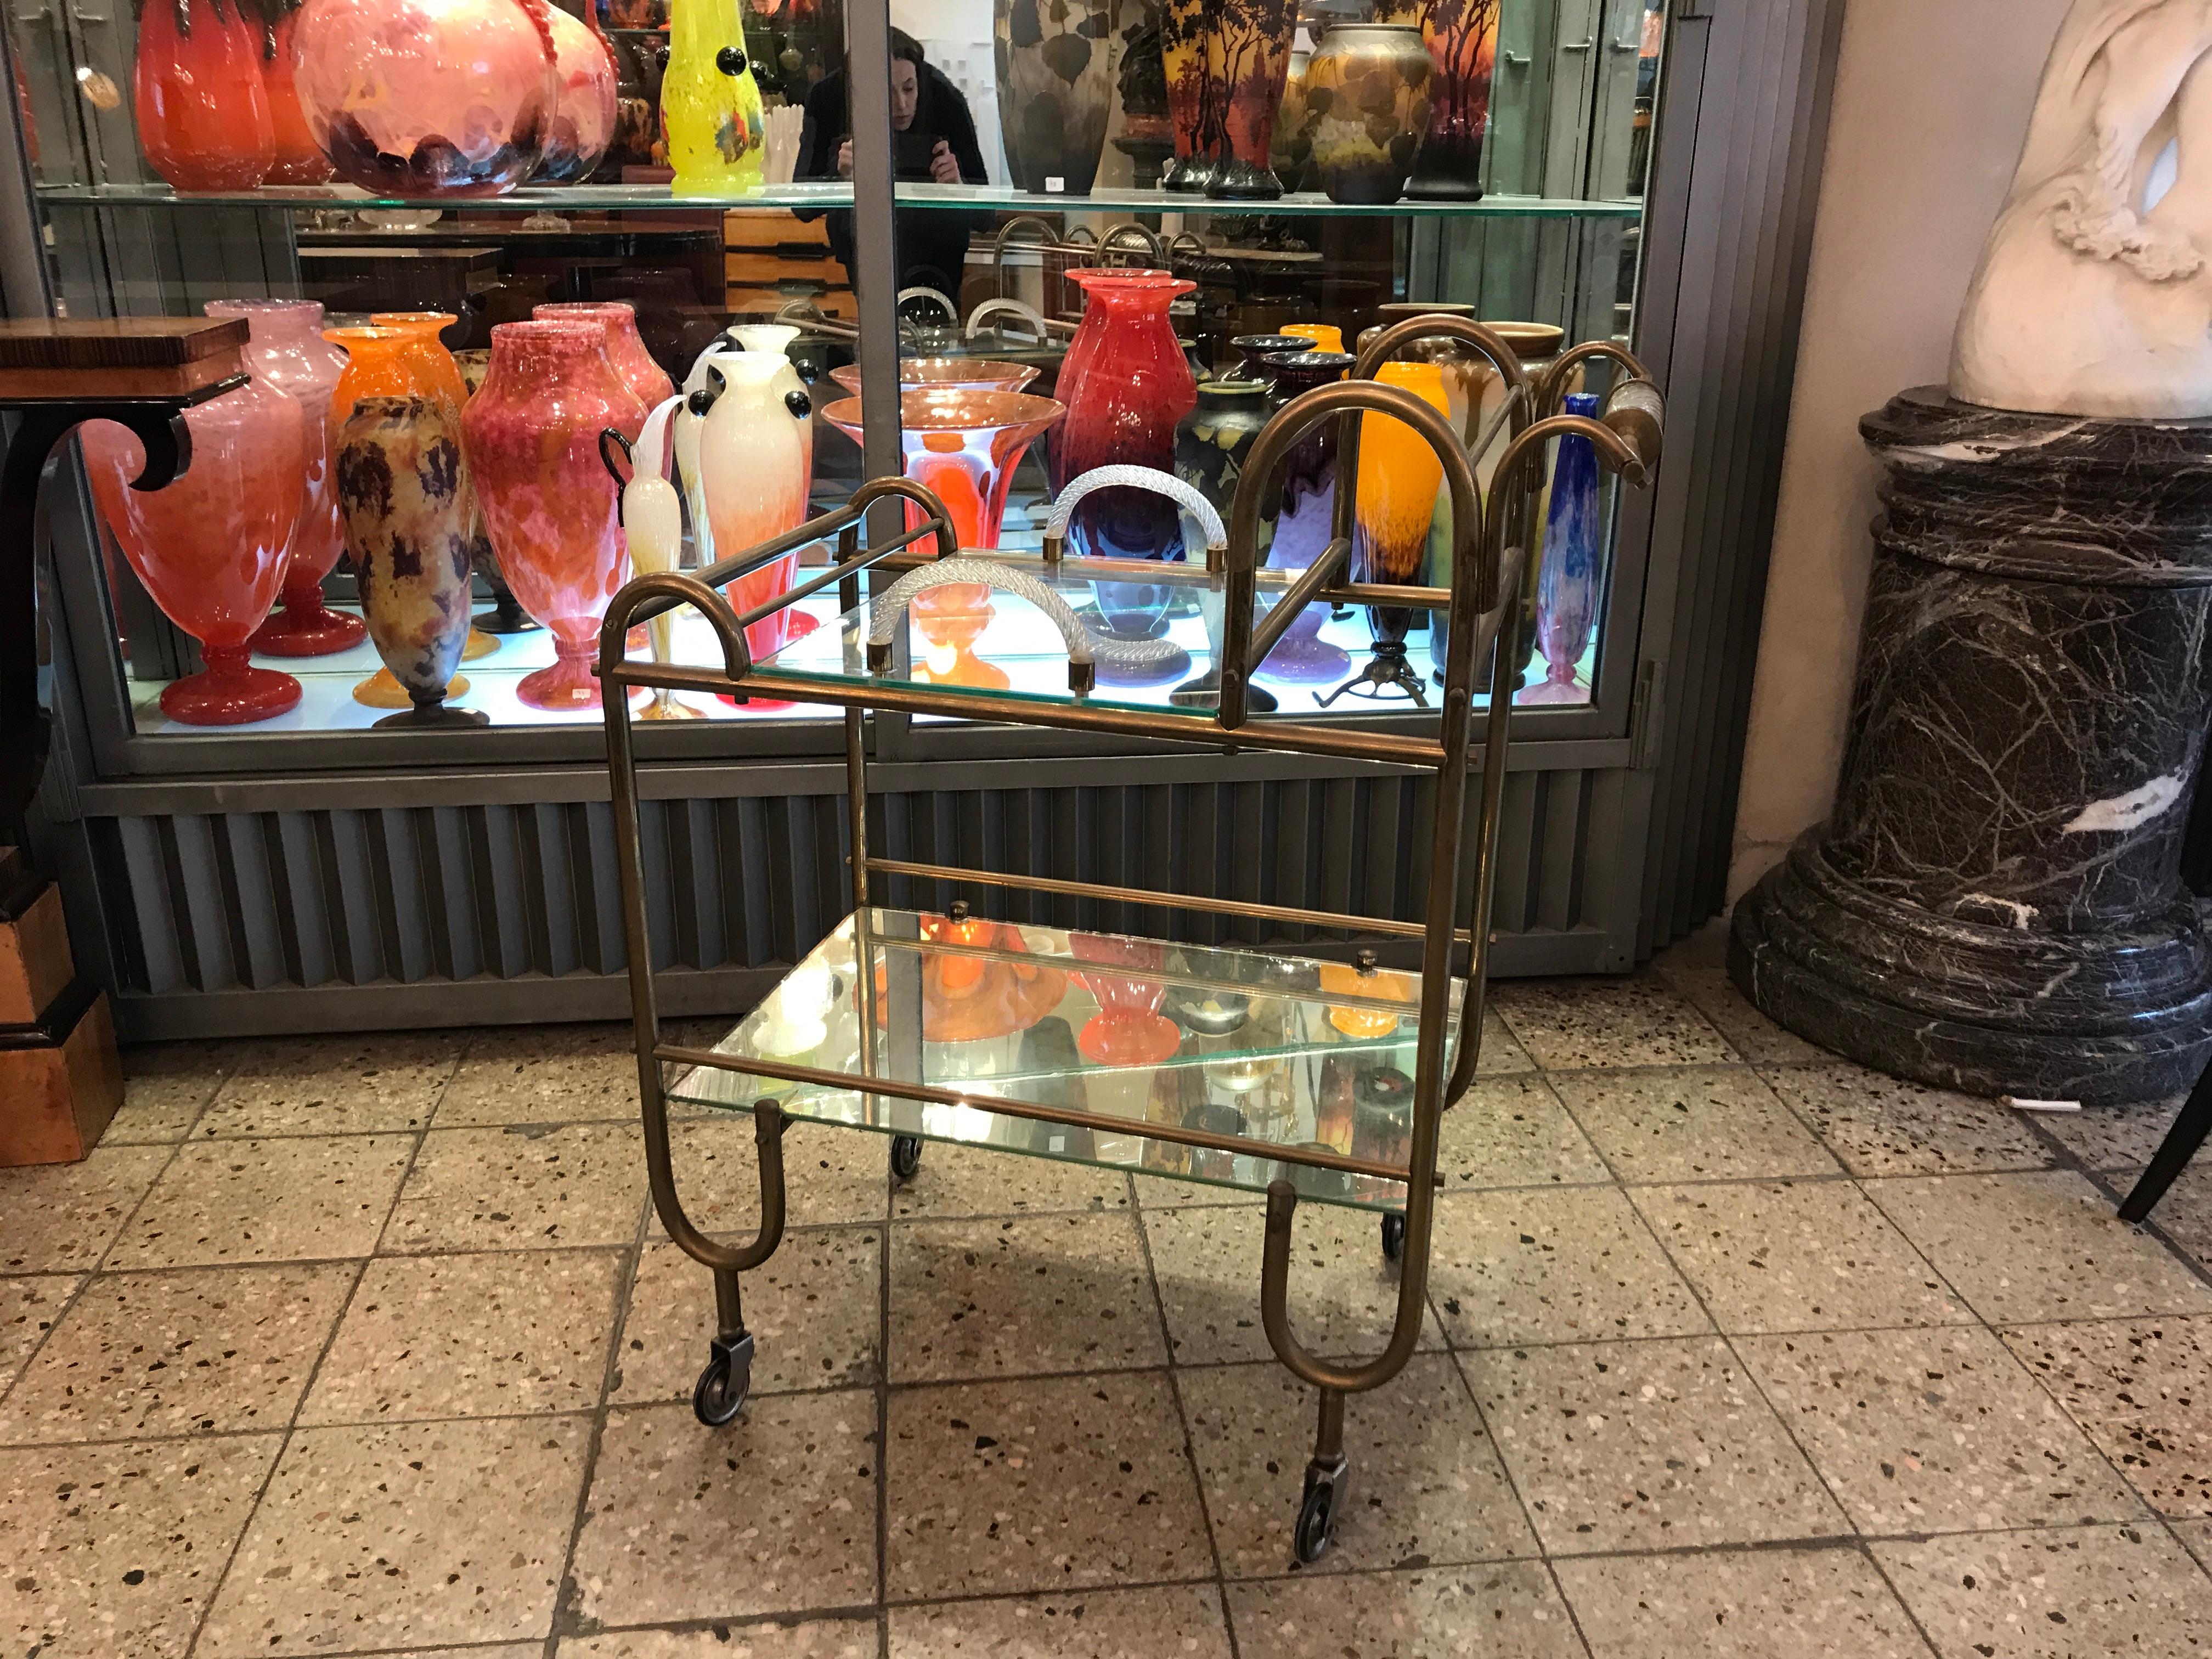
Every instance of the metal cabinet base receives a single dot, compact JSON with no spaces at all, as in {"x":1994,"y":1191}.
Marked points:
{"x":246,"y":922}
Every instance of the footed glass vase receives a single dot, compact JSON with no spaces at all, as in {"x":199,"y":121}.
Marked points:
{"x":1398,"y":480}
{"x":211,"y":548}
{"x":196,"y":89}
{"x":408,"y":508}
{"x":1567,"y":578}
{"x":1306,"y":515}
{"x":287,"y":349}
{"x":965,"y":445}
{"x":532,"y":439}
{"x":505,"y":616}
{"x":1251,"y":45}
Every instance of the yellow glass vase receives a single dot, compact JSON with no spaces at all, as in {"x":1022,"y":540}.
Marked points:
{"x":711,"y":112}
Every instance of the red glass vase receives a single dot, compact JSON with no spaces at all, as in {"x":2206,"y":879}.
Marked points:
{"x":427,"y":97}
{"x":287,"y":349}
{"x":1126,"y":383}
{"x":531,"y":440}
{"x":196,"y":89}
{"x":211,"y":548}
{"x":300,"y":159}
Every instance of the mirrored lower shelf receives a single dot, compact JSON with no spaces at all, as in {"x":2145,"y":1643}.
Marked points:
{"x":1265,"y":1054}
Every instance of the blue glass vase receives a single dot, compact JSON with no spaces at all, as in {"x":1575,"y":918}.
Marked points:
{"x":1567,"y":578}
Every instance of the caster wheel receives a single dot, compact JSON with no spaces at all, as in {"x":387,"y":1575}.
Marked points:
{"x":906,"y":1156}
{"x":720,"y":1394}
{"x":1317,"y":1512}
{"x":1394,"y":1238}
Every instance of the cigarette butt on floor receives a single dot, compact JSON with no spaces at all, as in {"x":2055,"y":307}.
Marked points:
{"x":2019,"y":1105}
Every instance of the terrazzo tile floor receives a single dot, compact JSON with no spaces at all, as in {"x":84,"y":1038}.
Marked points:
{"x":371,"y":1345}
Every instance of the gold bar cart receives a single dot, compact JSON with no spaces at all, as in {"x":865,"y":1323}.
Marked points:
{"x":1304,"y":1078}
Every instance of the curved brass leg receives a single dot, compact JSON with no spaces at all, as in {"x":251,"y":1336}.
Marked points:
{"x":722,"y":1386}
{"x":1274,"y":1296}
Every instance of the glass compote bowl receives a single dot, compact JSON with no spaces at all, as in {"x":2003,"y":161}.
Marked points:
{"x":946,"y":375}
{"x":964,"y":443}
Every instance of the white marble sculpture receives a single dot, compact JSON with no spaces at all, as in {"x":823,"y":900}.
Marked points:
{"x":2094,"y":293}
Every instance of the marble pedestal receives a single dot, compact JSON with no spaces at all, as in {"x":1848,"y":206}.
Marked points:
{"x":1996,"y":905}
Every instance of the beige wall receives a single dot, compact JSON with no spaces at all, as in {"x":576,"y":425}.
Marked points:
{"x":1931,"y":103}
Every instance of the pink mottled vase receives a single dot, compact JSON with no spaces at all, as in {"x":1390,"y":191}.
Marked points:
{"x":532,"y":437}
{"x":210,"y":547}
{"x":583,"y":124}
{"x":625,"y":345}
{"x":287,"y":349}
{"x":408,"y":512}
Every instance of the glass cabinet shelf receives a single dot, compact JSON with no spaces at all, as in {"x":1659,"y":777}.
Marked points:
{"x":1266,"y":1052}
{"x":1311,"y":201}
{"x":647,"y":197}
{"x":541,"y":198}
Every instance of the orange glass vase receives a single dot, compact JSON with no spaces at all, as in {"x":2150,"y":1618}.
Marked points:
{"x":211,"y":548}
{"x":379,"y":363}
{"x":196,"y":89}
{"x":300,"y":159}
{"x":423,"y":347}
{"x":1399,"y":478}
{"x":531,"y":437}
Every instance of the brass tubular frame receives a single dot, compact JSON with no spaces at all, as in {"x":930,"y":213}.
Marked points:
{"x":929,"y":1094}
{"x":1217,"y":906}
{"x":1484,"y":602}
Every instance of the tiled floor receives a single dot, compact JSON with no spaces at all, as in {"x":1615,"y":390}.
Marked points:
{"x":371,"y":1345}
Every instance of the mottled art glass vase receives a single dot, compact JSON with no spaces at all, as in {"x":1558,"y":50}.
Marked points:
{"x":531,"y":437}
{"x":211,"y":548}
{"x":287,"y":349}
{"x":407,"y":509}
{"x":712,"y":116}
{"x":1567,"y":578}
{"x":427,"y":97}
{"x":584,"y":99}
{"x":1305,"y":515}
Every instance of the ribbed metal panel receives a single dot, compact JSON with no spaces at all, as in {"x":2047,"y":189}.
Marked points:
{"x":1745,"y":132}
{"x":473,"y":902}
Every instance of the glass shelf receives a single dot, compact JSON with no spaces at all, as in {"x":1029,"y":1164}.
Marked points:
{"x":577,"y":199}
{"x":542,"y":198}
{"x":1104,"y":200}
{"x":1271,"y":1052}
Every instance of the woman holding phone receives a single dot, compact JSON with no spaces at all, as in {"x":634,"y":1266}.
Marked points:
{"x":932,"y":142}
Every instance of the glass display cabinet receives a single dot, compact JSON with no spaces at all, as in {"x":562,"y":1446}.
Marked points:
{"x":844,"y":240}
